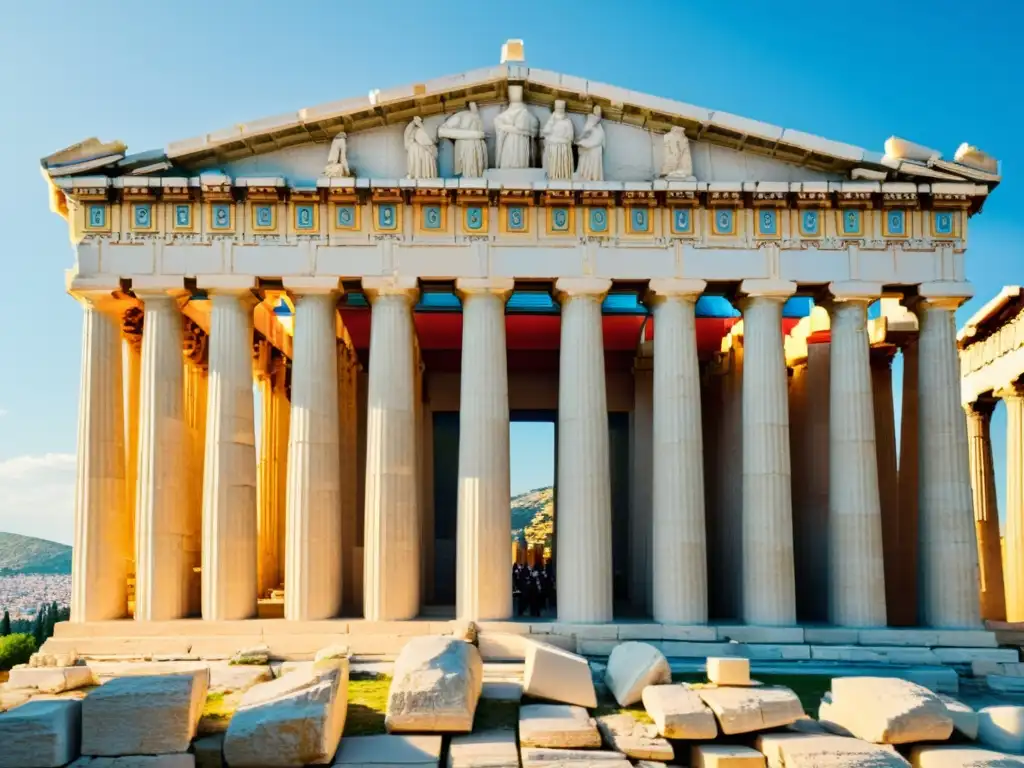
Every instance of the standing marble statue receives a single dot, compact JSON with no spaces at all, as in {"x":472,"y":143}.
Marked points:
{"x":558,"y":135}
{"x":516,"y":128}
{"x":677,"y":163}
{"x":420,"y":151}
{"x":337,"y":157}
{"x":466,"y":128}
{"x":591,"y":149}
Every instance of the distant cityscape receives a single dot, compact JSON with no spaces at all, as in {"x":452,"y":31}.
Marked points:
{"x":22,"y":594}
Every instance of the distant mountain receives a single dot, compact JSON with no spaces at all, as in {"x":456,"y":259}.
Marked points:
{"x":533,"y":515}
{"x":26,"y":554}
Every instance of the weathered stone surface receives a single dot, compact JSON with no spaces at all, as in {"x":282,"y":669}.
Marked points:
{"x":226,"y":678}
{"x":177,"y":760}
{"x":826,"y":717}
{"x":51,"y":679}
{"x":42,"y":734}
{"x":960,"y":756}
{"x":466,"y":630}
{"x":558,"y":726}
{"x":331,"y":655}
{"x":724,"y":756}
{"x":1005,"y":683}
{"x":679,"y":712}
{"x":389,"y":750}
{"x":435,"y":687}
{"x":14,"y":697}
{"x":801,"y":750}
{"x":294,"y":720}
{"x":983,"y":667}
{"x":624,"y":733}
{"x":742,"y":710}
{"x":486,"y":749}
{"x":256,"y":655}
{"x":572,"y":758}
{"x":888,"y":710}
{"x":965,"y":719}
{"x":729,"y":671}
{"x":105,"y":671}
{"x":632,"y":667}
{"x":147,"y":715}
{"x":209,"y":751}
{"x":807,"y":725}
{"x":42,"y":659}
{"x":1002,"y":727}
{"x":557,"y":675}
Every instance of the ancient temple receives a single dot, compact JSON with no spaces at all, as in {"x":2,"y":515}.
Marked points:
{"x":399,"y":275}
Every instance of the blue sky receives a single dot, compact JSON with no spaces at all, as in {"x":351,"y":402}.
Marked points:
{"x":936,"y":72}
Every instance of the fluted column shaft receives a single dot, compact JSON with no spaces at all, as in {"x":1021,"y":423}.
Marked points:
{"x":948,"y":563}
{"x":484,"y":579}
{"x":102,"y":545}
{"x":888,"y":486}
{"x":904,"y":612}
{"x":229,"y":476}
{"x":313,"y":560}
{"x":584,"y":528}
{"x":391,"y":554}
{"x":986,"y":509}
{"x":679,"y":558}
{"x":769,"y":593}
{"x":161,"y":580}
{"x":1014,"y":577}
{"x":856,"y":566}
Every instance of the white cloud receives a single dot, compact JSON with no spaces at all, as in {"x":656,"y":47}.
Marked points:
{"x":37,"y":496}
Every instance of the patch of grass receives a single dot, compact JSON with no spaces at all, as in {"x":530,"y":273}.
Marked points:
{"x":217,"y":712}
{"x":367,"y":703}
{"x":808,"y":688}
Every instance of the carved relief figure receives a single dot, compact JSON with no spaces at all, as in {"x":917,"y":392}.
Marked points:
{"x":591,"y":149}
{"x":516,"y":129}
{"x":558,"y":135}
{"x":466,"y":128}
{"x":337,"y":157}
{"x":677,"y":163}
{"x":420,"y":151}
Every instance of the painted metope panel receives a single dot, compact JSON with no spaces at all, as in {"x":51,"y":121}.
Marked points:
{"x":683,"y":220}
{"x":97,"y":217}
{"x":387,"y":217}
{"x":598,"y":221}
{"x":264,"y":217}
{"x":810,"y":222}
{"x":346,"y":217}
{"x":432,"y":219}
{"x":945,"y":224}
{"x":305,"y":218}
{"x":221,"y":218}
{"x":723,"y":221}
{"x":895,"y":223}
{"x":474,"y":219}
{"x":851,"y":222}
{"x":143,"y":218}
{"x":767,"y":223}
{"x":639,"y":220}
{"x":561,"y":220}
{"x":181,"y":217}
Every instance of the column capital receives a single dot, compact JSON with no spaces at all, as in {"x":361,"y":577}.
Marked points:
{"x":498,"y":286}
{"x":939,"y":295}
{"x":767,"y":289}
{"x":665,"y":288}
{"x":1012,"y":391}
{"x":392,"y":285}
{"x":882,"y":357}
{"x":594,"y":287}
{"x":852,"y":291}
{"x":226,"y":285}
{"x":308,"y":286}
{"x":982,"y":407}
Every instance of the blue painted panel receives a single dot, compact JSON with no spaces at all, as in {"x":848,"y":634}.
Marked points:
{"x":386,"y":217}
{"x":304,"y":217}
{"x":431,"y":217}
{"x":715,"y":306}
{"x":183,"y":215}
{"x":531,"y":301}
{"x":516,"y":218}
{"x":221,"y":216}
{"x":897,"y":221}
{"x":768,"y":221}
{"x":97,"y":216}
{"x":810,"y":222}
{"x":852,"y":222}
{"x":641,"y":219}
{"x":264,"y":216}
{"x":345,"y":216}
{"x":598,"y":220}
{"x":474,"y":217}
{"x":560,"y":219}
{"x":143,"y":215}
{"x":944,"y":222}
{"x":682,"y":220}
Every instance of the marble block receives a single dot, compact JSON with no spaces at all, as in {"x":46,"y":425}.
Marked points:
{"x":958,"y":756}
{"x":638,"y":741}
{"x":725,"y":756}
{"x":572,"y":758}
{"x":557,"y":675}
{"x":742,"y":710}
{"x":176,"y":760}
{"x":888,"y":710}
{"x":43,"y":734}
{"x":679,"y":712}
{"x":965,"y":719}
{"x":559,"y":726}
{"x":486,"y":749}
{"x":435,"y":686}
{"x":728,"y":671}
{"x":632,"y":667}
{"x":1002,"y":727}
{"x":390,"y":751}
{"x":51,"y":679}
{"x":801,"y":750}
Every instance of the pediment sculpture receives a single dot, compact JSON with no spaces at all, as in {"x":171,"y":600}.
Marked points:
{"x":677,"y":163}
{"x":558,"y":136}
{"x":515,"y":130}
{"x":337,"y":158}
{"x":466,"y":129}
{"x":591,"y":149}
{"x":420,"y":151}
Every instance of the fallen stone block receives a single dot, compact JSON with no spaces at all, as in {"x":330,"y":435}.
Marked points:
{"x":389,"y":750}
{"x":486,"y":749}
{"x":572,"y":758}
{"x":639,"y":741}
{"x":466,"y":630}
{"x":51,"y":679}
{"x":42,"y":734}
{"x":888,"y":710}
{"x":435,"y":687}
{"x":331,"y":656}
{"x":257,"y":655}
{"x":177,"y":760}
{"x":742,"y":710}
{"x":983,"y":667}
{"x":679,"y":712}
{"x":105,"y":671}
{"x":147,"y":715}
{"x":632,"y":667}
{"x":725,"y":756}
{"x":965,"y":719}
{"x":209,"y":751}
{"x":559,"y":726}
{"x":807,"y":725}
{"x":826,"y":718}
{"x":294,"y":720}
{"x":1002,"y":727}
{"x":557,"y":675}
{"x":728,"y":671}
{"x":14,"y":697}
{"x":226,"y":678}
{"x":801,"y":750}
{"x":1005,"y":683}
{"x":959,"y":756}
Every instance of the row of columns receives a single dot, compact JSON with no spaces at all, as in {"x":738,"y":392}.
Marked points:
{"x":236,"y":566}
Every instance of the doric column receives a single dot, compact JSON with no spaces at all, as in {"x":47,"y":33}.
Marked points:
{"x":102,"y":551}
{"x":584,"y":528}
{"x":229,"y":475}
{"x":1013,"y":397}
{"x":856,"y":578}
{"x":391,"y":550}
{"x":131,"y":330}
{"x":484,"y":581}
{"x":313,"y":559}
{"x":986,"y":509}
{"x":904,"y":613}
{"x":948,"y":565}
{"x":679,"y":540}
{"x":162,"y":565}
{"x":888,"y":485}
{"x":769,"y":592}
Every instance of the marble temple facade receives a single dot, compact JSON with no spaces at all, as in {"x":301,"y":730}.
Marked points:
{"x":334,"y":261}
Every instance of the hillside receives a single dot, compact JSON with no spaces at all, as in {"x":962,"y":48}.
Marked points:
{"x":533,"y":515}
{"x":28,"y":555}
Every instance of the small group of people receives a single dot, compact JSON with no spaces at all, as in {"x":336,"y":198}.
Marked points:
{"x":533,"y":589}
